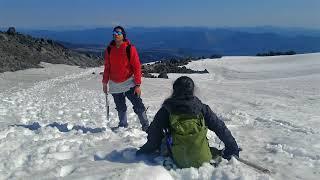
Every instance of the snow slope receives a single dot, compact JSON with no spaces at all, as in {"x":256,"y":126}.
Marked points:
{"x":270,"y":105}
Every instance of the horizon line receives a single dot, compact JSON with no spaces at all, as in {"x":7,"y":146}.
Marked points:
{"x":84,"y":27}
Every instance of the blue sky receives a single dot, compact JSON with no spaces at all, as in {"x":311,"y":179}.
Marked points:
{"x":208,"y":13}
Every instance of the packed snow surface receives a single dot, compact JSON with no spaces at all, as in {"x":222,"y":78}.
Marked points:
{"x":53,"y":121}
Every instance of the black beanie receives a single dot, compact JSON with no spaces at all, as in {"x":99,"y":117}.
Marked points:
{"x":183,"y":86}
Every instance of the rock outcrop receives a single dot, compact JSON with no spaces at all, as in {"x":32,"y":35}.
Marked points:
{"x":18,"y":51}
{"x":164,"y":67}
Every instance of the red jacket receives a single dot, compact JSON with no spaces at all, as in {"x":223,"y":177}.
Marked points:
{"x":118,"y":67}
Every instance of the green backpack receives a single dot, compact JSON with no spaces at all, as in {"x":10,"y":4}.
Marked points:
{"x":190,"y":147}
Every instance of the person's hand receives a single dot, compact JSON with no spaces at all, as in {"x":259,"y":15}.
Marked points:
{"x":228,"y":153}
{"x":137,"y":90}
{"x":105,"y":88}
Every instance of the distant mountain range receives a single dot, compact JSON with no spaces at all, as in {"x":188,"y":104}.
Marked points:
{"x":166,"y":42}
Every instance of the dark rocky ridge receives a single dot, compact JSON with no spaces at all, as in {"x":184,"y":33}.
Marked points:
{"x":172,"y":66}
{"x":18,"y":52}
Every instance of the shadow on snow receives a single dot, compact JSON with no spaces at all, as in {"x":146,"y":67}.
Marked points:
{"x":61,"y":127}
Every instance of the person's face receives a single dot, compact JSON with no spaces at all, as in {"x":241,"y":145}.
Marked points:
{"x":117,"y":35}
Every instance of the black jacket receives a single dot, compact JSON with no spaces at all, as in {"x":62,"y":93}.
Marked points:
{"x":187,"y":104}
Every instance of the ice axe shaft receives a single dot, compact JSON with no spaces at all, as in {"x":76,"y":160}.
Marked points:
{"x":253,"y":165}
{"x":250,"y":164}
{"x":107,"y":106}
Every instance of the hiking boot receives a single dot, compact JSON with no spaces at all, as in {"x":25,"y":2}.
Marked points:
{"x":123,"y":119}
{"x":144,"y":121}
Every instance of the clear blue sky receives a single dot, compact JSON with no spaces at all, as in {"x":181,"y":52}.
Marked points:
{"x":208,"y":13}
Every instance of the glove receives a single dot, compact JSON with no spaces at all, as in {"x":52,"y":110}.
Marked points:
{"x":105,"y":88}
{"x":137,"y":90}
{"x":139,"y":152}
{"x":228,"y":153}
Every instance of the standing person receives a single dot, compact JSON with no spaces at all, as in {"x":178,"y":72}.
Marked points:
{"x":122,"y":71}
{"x":183,"y":121}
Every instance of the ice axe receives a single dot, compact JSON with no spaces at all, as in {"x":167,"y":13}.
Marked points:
{"x":253,"y":165}
{"x":248,"y":163}
{"x":107,"y":107}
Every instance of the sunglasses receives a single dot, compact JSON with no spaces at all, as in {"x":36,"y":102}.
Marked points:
{"x":117,"y":33}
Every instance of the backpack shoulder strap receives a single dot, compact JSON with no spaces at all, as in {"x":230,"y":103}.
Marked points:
{"x":201,"y":118}
{"x":168,"y":109}
{"x":109,"y":50}
{"x":128,"y":50}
